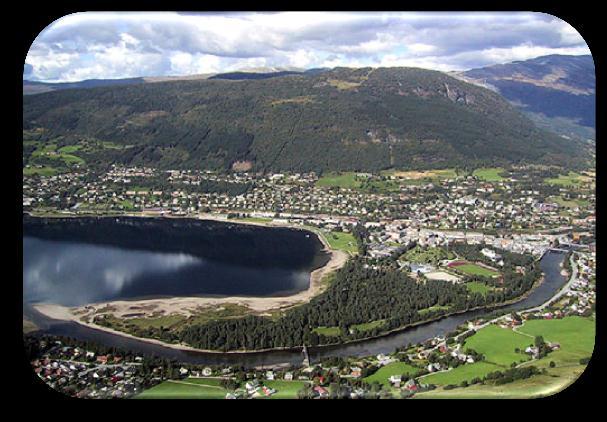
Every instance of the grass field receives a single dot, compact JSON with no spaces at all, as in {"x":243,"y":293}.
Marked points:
{"x":342,"y":241}
{"x":189,"y":388}
{"x":571,"y":179}
{"x":498,"y":344}
{"x":554,"y":381}
{"x":474,"y":269}
{"x":327,"y":331}
{"x":575,"y":334}
{"x":476,"y":287}
{"x":385,"y":372}
{"x":284,"y":389}
{"x":490,"y":174}
{"x":346,"y":180}
{"x":42,"y":171}
{"x":421,"y":255}
{"x":210,"y":388}
{"x":461,"y":373}
{"x":569,"y":203}
{"x":368,"y":325}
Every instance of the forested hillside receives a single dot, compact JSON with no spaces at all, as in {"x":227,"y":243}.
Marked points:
{"x":343,"y":119}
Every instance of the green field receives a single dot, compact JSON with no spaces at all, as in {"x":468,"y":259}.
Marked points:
{"x":189,"y":388}
{"x":346,"y":180}
{"x":327,"y":331}
{"x":554,"y":381}
{"x":473,"y":269}
{"x":476,"y":287}
{"x":342,"y":241}
{"x":569,"y":203}
{"x":571,"y":179}
{"x":284,"y":389}
{"x":490,"y":174}
{"x":385,"y":372}
{"x":368,"y":325}
{"x":210,"y":388}
{"x":498,"y":344}
{"x":575,"y":334}
{"x":421,"y":255}
{"x":42,"y":171}
{"x":461,"y":373}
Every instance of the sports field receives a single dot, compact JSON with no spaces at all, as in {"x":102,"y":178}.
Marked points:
{"x":473,"y":269}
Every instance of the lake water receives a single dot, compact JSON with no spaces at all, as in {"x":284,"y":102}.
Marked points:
{"x":75,"y":262}
{"x":550,"y":265}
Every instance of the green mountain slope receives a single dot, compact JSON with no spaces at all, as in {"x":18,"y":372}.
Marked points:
{"x":343,"y":119}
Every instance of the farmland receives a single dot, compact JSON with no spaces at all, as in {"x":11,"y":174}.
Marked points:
{"x":210,"y":388}
{"x":498,"y":344}
{"x":461,"y":373}
{"x":189,"y":388}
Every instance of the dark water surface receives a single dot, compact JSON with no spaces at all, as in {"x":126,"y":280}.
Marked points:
{"x":75,"y":262}
{"x":550,"y":264}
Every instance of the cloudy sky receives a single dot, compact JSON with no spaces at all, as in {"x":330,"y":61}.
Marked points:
{"x":121,"y":45}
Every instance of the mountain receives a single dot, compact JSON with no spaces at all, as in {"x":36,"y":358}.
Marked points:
{"x":35,"y":87}
{"x":340,"y":119}
{"x":556,"y":91}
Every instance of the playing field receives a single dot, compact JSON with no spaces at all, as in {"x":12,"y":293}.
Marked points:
{"x":489,"y":174}
{"x":461,"y":373}
{"x":189,"y":388}
{"x":474,"y":269}
{"x":498,"y":344}
{"x":385,"y":372}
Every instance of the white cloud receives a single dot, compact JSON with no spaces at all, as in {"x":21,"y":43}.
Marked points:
{"x":115,"y":45}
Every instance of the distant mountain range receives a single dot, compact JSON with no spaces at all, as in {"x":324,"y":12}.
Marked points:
{"x":329,"y":120}
{"x":36,"y":87}
{"x":557,"y":92}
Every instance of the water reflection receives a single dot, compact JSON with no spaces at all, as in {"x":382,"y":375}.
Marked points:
{"x":75,"y":273}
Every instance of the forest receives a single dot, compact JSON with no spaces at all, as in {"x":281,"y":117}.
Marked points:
{"x":343,"y":119}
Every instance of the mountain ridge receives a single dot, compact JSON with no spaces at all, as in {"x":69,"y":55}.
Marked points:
{"x":365,"y":119}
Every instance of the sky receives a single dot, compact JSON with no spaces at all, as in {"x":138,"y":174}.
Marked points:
{"x":95,"y":45}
